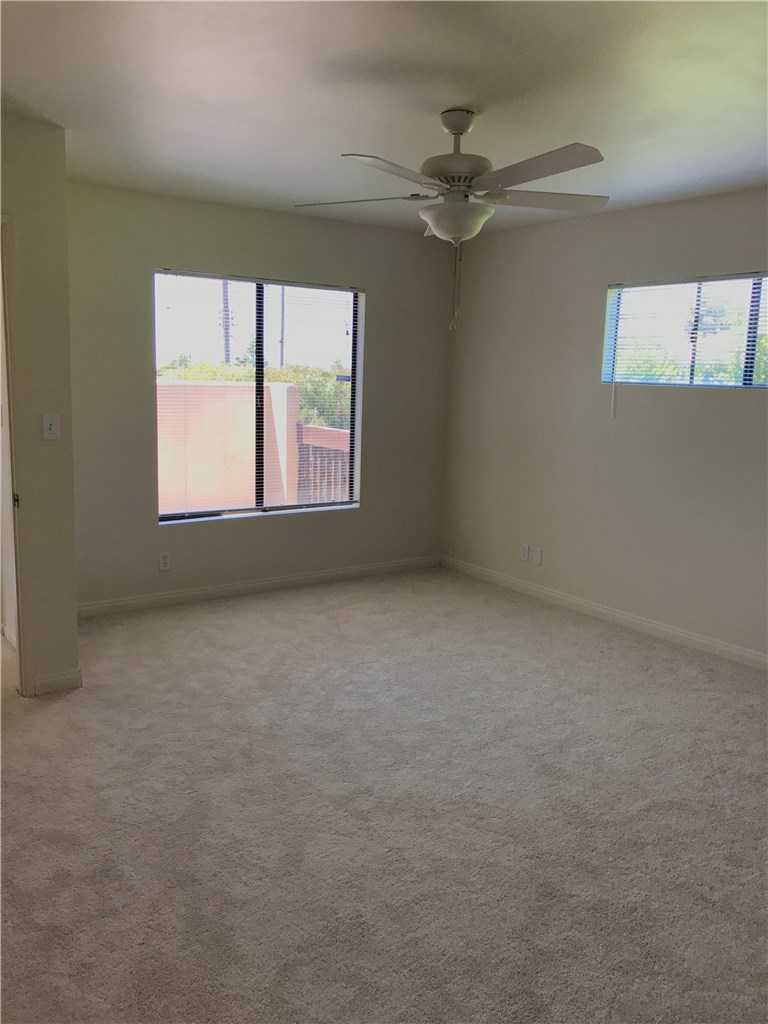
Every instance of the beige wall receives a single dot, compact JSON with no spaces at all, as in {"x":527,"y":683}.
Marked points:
{"x":35,"y":257}
{"x":659,"y":513}
{"x":117,"y":239}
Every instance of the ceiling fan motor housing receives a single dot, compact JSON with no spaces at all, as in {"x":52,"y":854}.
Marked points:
{"x":457,"y":120}
{"x":456,"y":169}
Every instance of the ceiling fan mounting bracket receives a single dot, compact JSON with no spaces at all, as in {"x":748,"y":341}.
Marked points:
{"x":457,"y":120}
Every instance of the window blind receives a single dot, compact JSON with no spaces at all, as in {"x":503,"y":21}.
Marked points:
{"x":257,"y":396}
{"x":705,"y":333}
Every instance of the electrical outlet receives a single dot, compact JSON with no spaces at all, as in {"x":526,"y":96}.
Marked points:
{"x":164,"y":561}
{"x":537,"y":556}
{"x":524,"y":553}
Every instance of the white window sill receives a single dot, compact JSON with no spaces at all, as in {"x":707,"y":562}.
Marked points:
{"x":252,"y":514}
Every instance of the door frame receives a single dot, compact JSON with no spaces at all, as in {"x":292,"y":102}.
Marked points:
{"x":7,"y":248}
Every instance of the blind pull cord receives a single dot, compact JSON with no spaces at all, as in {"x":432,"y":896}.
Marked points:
{"x":613,"y":401}
{"x":456,"y":286}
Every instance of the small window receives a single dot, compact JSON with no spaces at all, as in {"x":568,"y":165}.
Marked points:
{"x":257,"y":396}
{"x":706,"y":333}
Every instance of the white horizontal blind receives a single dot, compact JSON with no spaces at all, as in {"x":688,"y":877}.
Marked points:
{"x":256,"y":395}
{"x":706,"y":333}
{"x":309,"y":395}
{"x":206,"y":398}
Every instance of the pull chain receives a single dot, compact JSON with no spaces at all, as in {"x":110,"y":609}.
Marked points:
{"x":456,"y":286}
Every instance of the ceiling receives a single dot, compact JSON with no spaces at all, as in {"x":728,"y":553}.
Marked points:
{"x":253,"y":103}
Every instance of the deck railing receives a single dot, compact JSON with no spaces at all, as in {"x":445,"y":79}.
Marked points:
{"x":323,"y":464}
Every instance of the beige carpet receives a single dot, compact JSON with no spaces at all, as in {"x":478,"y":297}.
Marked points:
{"x":411,"y":799}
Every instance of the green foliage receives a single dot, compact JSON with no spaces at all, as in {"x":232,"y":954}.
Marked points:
{"x":646,"y":365}
{"x":249,"y":356}
{"x":179,"y":363}
{"x":713,"y":319}
{"x":760,"y":375}
{"x":204,"y":371}
{"x":761,"y":360}
{"x":324,"y":400}
{"x":732,"y":372}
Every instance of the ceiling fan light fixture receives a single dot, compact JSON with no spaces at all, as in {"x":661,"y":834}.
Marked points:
{"x":456,"y":220}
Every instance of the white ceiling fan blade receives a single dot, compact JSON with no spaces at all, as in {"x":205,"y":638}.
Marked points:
{"x":547,"y":200}
{"x":390,"y":168}
{"x":567,"y":158}
{"x":428,"y":232}
{"x":414,"y":197}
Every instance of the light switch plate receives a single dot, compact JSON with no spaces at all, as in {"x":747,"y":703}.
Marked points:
{"x":537,"y":556}
{"x":51,"y":426}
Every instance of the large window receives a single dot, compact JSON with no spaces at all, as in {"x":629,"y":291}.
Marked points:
{"x":257,"y":395}
{"x":708,"y":333}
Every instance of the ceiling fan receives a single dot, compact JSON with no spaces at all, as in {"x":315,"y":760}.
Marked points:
{"x":467,"y":188}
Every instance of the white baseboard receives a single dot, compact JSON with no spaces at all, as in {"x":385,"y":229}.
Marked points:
{"x":744,"y":655}
{"x":90,"y":609}
{"x":55,"y":684}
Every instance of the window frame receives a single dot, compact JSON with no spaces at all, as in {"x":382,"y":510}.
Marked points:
{"x":355,"y":417}
{"x":613,"y":318}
